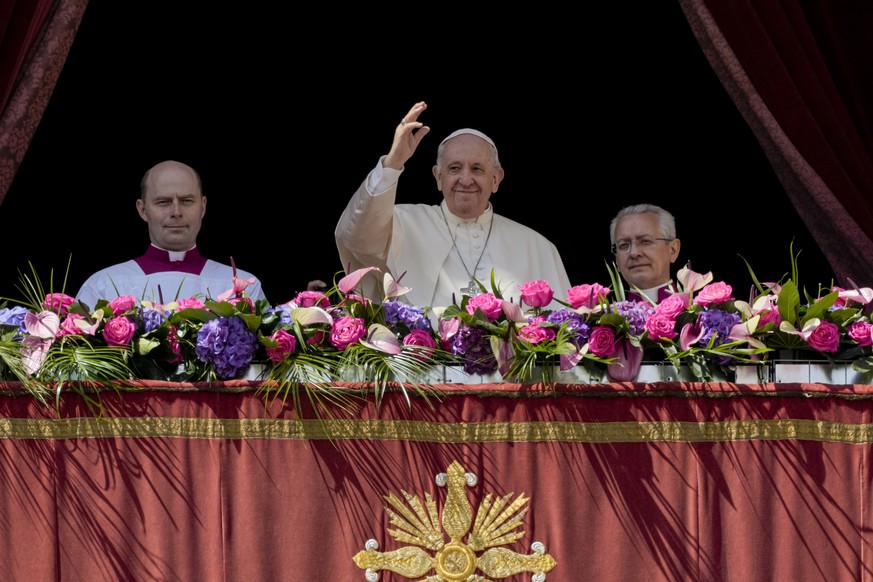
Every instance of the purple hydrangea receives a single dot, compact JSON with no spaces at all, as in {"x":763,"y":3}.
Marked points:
{"x":636,"y":313}
{"x":151,"y":319}
{"x":227,"y":344}
{"x":718,"y":323}
{"x":474,"y":346}
{"x":284,"y":314}
{"x":579,"y":330}
{"x":409,"y":315}
{"x":14,"y":317}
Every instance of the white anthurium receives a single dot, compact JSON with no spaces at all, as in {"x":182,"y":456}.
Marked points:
{"x":381,"y":338}
{"x":744,"y":331}
{"x":307,"y":316}
{"x":692,"y":281}
{"x":807,"y":330}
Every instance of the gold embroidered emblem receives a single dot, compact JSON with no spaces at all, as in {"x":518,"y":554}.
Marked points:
{"x":455,"y":560}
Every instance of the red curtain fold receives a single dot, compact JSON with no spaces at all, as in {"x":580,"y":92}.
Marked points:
{"x":36,"y":38}
{"x":814,"y":131}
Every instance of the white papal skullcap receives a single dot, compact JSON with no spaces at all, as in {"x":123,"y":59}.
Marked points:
{"x":478,"y":134}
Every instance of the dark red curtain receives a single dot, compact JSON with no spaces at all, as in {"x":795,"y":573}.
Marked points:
{"x":35,"y":38}
{"x":800,"y":75}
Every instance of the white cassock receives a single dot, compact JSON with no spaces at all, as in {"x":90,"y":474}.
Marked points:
{"x":163,"y":274}
{"x":415,"y":241}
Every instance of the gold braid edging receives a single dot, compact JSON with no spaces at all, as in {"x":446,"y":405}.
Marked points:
{"x":437,"y":432}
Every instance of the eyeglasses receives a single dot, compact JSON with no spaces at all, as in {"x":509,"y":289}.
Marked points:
{"x":644,"y":244}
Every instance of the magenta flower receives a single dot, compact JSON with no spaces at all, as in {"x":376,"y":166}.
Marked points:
{"x":69,"y":326}
{"x":287,"y":344}
{"x":118,"y":331}
{"x":861,"y":332}
{"x":190,"y":303}
{"x":587,"y":295}
{"x":673,"y":305}
{"x":58,"y":302}
{"x":490,"y":306}
{"x":714,"y":293}
{"x":346,"y":331}
{"x":419,"y":337}
{"x":535,"y":334}
{"x":536,"y":293}
{"x":661,"y":326}
{"x":311,"y":299}
{"x":825,"y":337}
{"x":122,"y":304}
{"x":601,"y":342}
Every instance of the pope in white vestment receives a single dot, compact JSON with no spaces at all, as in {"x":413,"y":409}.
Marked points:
{"x":437,"y":249}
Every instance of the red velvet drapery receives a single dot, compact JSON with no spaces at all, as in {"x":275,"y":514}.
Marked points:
{"x":618,"y":482}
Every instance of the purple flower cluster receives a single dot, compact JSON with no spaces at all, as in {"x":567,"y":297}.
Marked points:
{"x":227,"y":344}
{"x":151,"y":319}
{"x":475,"y":347}
{"x":408,"y":315}
{"x":579,"y":330}
{"x":718,"y":323}
{"x":636,"y":312}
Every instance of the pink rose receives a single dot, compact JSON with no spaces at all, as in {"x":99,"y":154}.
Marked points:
{"x":69,"y":327}
{"x":673,"y":305}
{"x":346,"y":330}
{"x":287,"y":344}
{"x":535,"y":334}
{"x":118,"y":331}
{"x":601,"y":342}
{"x":769,"y":316}
{"x":122,"y":304}
{"x":58,"y":302}
{"x":419,"y":337}
{"x":861,"y":332}
{"x":490,"y":306}
{"x":190,"y":303}
{"x":661,"y":326}
{"x":825,"y":338}
{"x":316,"y":339}
{"x":536,"y":293}
{"x":587,"y":295}
{"x":311,"y":299}
{"x":714,"y":293}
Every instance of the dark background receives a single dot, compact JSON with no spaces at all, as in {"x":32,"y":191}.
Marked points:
{"x":284,"y":116}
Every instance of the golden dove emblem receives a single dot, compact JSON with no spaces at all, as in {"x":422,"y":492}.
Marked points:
{"x":497,"y":523}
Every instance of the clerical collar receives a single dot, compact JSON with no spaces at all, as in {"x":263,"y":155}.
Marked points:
{"x":484,"y":218}
{"x":657,"y":294}
{"x":158,"y":260}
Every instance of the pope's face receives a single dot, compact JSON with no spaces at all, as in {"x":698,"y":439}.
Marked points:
{"x":467,"y":176}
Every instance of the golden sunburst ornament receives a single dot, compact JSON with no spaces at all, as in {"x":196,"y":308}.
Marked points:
{"x":495,"y":525}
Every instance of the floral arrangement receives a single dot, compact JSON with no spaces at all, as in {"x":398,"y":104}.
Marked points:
{"x":51,"y":341}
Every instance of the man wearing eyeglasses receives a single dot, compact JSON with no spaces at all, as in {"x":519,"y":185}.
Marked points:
{"x":644,"y":243}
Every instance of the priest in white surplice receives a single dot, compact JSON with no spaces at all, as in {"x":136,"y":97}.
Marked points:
{"x":173,"y":205}
{"x":440,"y":249}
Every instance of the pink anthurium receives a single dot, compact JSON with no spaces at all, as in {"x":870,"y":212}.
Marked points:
{"x":239,"y":285}
{"x":690,"y":335}
{"x":393,"y":288}
{"x":569,"y":361}
{"x":44,"y":325}
{"x":381,"y":338}
{"x":513,"y":312}
{"x":503,"y":353}
{"x":34,"y":351}
{"x":348,"y":283}
{"x":692,"y":281}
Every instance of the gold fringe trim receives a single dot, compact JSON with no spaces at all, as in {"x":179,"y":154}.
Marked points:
{"x":437,"y":432}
